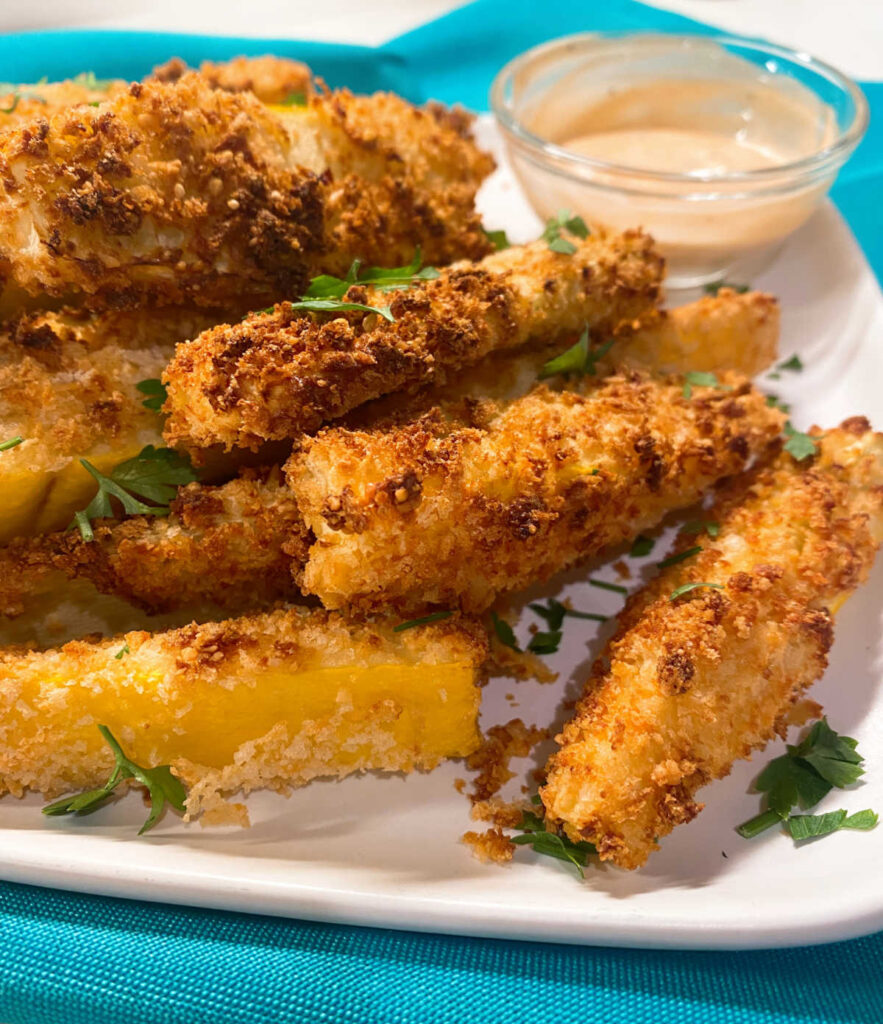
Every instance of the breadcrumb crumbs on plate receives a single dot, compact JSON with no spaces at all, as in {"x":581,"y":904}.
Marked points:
{"x":491,"y":761}
{"x":490,"y":847}
{"x":623,"y":569}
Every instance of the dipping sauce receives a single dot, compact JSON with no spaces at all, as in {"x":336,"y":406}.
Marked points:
{"x":712,"y":153}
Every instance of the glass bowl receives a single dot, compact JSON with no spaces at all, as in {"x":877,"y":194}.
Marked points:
{"x":787,"y":123}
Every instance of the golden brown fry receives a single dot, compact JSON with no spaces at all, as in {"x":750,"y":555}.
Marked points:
{"x":68,"y":387}
{"x":271,"y":79}
{"x":180,"y":193}
{"x":687,"y":687}
{"x":270,"y":700}
{"x":278,"y":374}
{"x":726,"y":331}
{"x":482,"y":497}
{"x":234,"y":546}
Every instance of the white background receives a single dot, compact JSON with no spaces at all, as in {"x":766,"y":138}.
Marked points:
{"x":848,"y":33}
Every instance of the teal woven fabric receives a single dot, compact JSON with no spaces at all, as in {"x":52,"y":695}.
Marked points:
{"x":73,"y":959}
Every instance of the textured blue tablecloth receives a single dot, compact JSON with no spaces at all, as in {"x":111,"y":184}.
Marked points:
{"x":72,"y":959}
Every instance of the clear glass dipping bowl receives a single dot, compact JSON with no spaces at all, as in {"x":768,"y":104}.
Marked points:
{"x":711,"y":224}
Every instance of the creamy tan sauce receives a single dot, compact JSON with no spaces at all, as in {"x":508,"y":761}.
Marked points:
{"x":674,"y":150}
{"x":704,"y":127}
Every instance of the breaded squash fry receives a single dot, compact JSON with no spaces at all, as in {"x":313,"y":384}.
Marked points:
{"x":235,"y":546}
{"x":727,"y":331}
{"x":68,"y":387}
{"x":686,"y":687}
{"x":180,"y":193}
{"x":271,"y":79}
{"x":269,"y":700}
{"x":479,"y":497}
{"x":279,"y":374}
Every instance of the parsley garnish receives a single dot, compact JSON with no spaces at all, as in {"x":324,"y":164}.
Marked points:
{"x":17,"y":93}
{"x":774,"y":402}
{"x":504,"y":632}
{"x":565,"y":221}
{"x":550,"y":844}
{"x":162,"y":788}
{"x":545,"y":642}
{"x":685,"y":588}
{"x":793,"y":364}
{"x":800,"y":446}
{"x":293,"y":99}
{"x":802,"y":777}
{"x":715,"y":287}
{"x":157,"y":392}
{"x":579,"y":358}
{"x":674,"y":559}
{"x":554,"y":612}
{"x":641,"y":546}
{"x":13,"y":442}
{"x":336,"y":306}
{"x":90,"y":81}
{"x":154,"y":474}
{"x":617,"y":588}
{"x":411,"y":623}
{"x":122,"y":651}
{"x":708,"y":526}
{"x":700,"y":379}
{"x":498,"y":239}
{"x":382,"y":278}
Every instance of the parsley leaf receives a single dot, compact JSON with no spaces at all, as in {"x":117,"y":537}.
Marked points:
{"x":811,"y":826}
{"x":89,"y":80}
{"x":337,"y":306}
{"x":13,"y":442}
{"x":504,"y":632}
{"x":708,"y":526}
{"x":162,"y":787}
{"x":382,"y":278}
{"x":701,"y":379}
{"x":803,"y":776}
{"x":425,"y":620}
{"x":550,"y":844}
{"x":498,"y":239}
{"x":554,"y":612}
{"x":579,"y":358}
{"x":685,"y":588}
{"x":545,"y":643}
{"x":18,"y":93}
{"x":715,"y":287}
{"x":800,"y":446}
{"x":122,"y":651}
{"x":794,"y":363}
{"x":674,"y":559}
{"x":565,"y":221}
{"x":154,"y":474}
{"x":641,"y":546}
{"x":774,"y":402}
{"x":157,"y":392}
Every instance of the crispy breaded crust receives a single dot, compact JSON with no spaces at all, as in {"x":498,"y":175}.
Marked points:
{"x":181,"y":193}
{"x":235,"y":546}
{"x":45,"y":99}
{"x":478,"y":498}
{"x":687,"y":687}
{"x":279,"y":374}
{"x":271,"y":79}
{"x":238,"y":733}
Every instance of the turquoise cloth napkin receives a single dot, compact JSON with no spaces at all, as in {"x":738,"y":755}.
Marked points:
{"x":72,"y":959}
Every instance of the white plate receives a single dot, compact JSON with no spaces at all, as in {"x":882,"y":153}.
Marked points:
{"x":384,"y":850}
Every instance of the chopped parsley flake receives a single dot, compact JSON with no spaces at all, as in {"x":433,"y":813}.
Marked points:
{"x":565,"y":221}
{"x":685,"y":588}
{"x":683,"y":556}
{"x":579,"y":358}
{"x":411,"y":623}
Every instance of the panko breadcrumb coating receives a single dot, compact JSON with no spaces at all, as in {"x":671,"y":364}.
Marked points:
{"x":279,"y":374}
{"x":180,"y":193}
{"x":476,"y":498}
{"x":686,"y":687}
{"x":270,"y":700}
{"x":235,"y":546}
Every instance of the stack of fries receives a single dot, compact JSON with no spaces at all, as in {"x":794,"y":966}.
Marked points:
{"x":261,"y":367}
